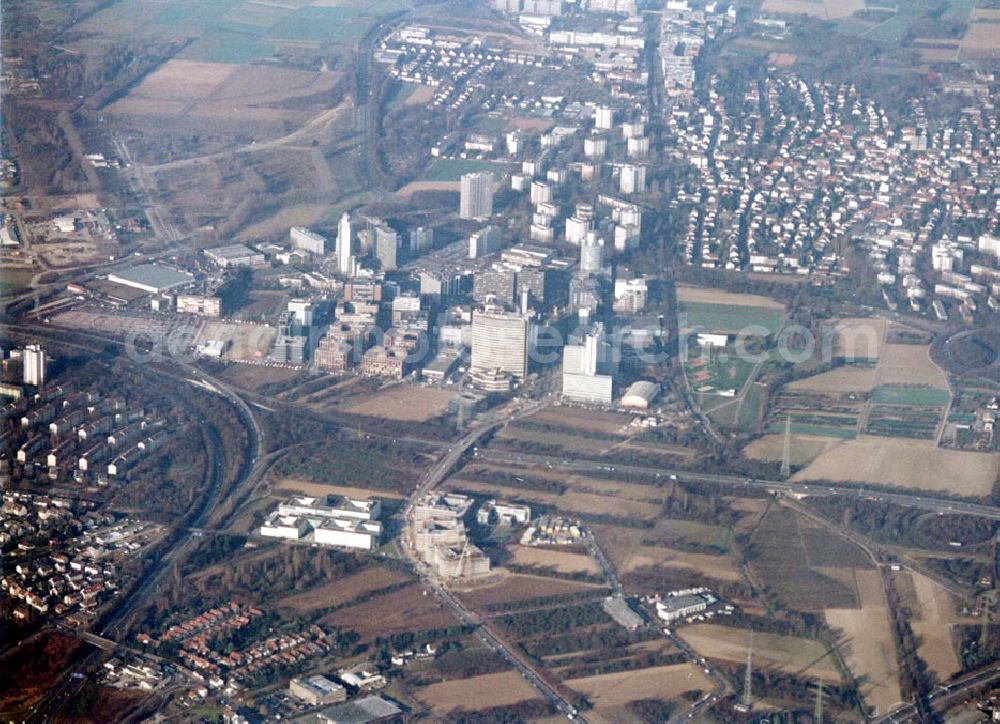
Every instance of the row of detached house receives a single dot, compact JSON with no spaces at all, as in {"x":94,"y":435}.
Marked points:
{"x":76,"y":574}
{"x":198,"y":637}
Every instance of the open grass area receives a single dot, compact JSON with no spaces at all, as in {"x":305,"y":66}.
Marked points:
{"x":729,"y":318}
{"x":452,"y":169}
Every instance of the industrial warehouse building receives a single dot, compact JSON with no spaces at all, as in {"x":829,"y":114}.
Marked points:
{"x":681,"y":604}
{"x":317,"y":690}
{"x":151,"y":278}
{"x":640,"y":395}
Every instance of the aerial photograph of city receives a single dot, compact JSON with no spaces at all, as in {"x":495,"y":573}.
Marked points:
{"x":500,"y":361}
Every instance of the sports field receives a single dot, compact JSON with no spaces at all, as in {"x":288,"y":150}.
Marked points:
{"x":730,"y":318}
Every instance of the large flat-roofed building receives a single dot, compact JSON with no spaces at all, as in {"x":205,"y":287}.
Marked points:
{"x":235,"y":255}
{"x":317,"y":690}
{"x":500,"y":342}
{"x":362,"y":711}
{"x":151,"y":278}
{"x":348,"y":523}
{"x":199,"y":304}
{"x":682,"y":604}
{"x":348,"y":533}
{"x":306,"y":240}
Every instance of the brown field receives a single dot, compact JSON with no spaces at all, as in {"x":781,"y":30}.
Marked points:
{"x":251,"y":377}
{"x":417,"y":186}
{"x":476,"y":693}
{"x":569,"y":502}
{"x":558,"y":560}
{"x":909,"y":364}
{"x":404,"y":402}
{"x":805,"y":657}
{"x":606,"y":423}
{"x":507,"y":587}
{"x":982,"y":39}
{"x":859,"y":337}
{"x":932,"y":623}
{"x":305,"y":487}
{"x":869,"y":646}
{"x":184,"y":80}
{"x":719,"y":296}
{"x":624,"y":548}
{"x":828,"y":10}
{"x":613,"y":488}
{"x":294,"y":215}
{"x":210,"y":90}
{"x":421,"y":96}
{"x":405,"y":610}
{"x":342,"y":591}
{"x":839,"y":380}
{"x":621,"y":687}
{"x":804,"y":449}
{"x":914,"y":464}
{"x":246,"y":341}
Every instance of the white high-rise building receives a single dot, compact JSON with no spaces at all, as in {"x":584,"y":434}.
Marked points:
{"x":632,"y":179}
{"x":576,"y":229}
{"x":591,"y":253}
{"x":345,"y":259}
{"x":476,"y":201}
{"x":500,"y":342}
{"x":34,"y":359}
{"x":541,"y":193}
{"x":585,"y":365}
{"x":604,"y":118}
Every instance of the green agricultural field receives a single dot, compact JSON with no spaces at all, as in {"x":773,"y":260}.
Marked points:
{"x":452,"y":169}
{"x":922,"y":396}
{"x":343,"y":24}
{"x":220,"y":46}
{"x":193,"y":13}
{"x":729,"y":318}
{"x":798,"y":428}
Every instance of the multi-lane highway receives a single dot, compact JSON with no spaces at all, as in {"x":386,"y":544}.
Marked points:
{"x":924,"y":502}
{"x":946,"y":696}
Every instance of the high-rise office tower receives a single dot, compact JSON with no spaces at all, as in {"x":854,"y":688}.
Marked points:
{"x":345,"y":259}
{"x":386,"y":244}
{"x":476,"y":200}
{"x":499,"y":341}
{"x":421,"y":238}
